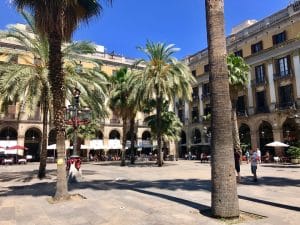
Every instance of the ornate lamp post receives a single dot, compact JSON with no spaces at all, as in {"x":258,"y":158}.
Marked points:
{"x":75,"y":117}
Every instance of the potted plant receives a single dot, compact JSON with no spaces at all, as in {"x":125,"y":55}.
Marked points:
{"x":294,"y":152}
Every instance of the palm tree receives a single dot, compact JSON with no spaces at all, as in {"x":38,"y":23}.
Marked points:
{"x":56,"y":20}
{"x":224,"y":200}
{"x":162,"y":78}
{"x":122,"y":105}
{"x":238,"y":79}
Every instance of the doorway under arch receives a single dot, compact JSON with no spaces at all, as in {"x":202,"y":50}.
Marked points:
{"x":33,"y":143}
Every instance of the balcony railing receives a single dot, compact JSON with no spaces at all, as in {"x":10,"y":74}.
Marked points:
{"x":205,"y":96}
{"x":283,"y":75}
{"x":285,"y":105}
{"x":262,"y":109}
{"x":241,"y":113}
{"x":256,"y":83}
{"x":114,"y":121}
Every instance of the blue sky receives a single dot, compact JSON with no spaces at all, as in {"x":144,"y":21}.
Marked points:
{"x":129,"y":23}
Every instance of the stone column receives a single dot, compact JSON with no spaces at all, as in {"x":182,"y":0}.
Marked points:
{"x":201,"y":110}
{"x":186,"y":112}
{"x":250,"y":96}
{"x":296,"y":62}
{"x":271,"y":87}
{"x":278,"y":136}
{"x":254,"y":139}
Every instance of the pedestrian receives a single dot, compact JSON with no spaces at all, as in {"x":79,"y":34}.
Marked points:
{"x":247,"y":154}
{"x":254,"y":160}
{"x":258,"y":155}
{"x":237,"y":160}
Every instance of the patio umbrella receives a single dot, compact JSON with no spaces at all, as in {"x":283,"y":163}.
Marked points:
{"x":81,"y":147}
{"x":277,"y":144}
{"x":53,"y":146}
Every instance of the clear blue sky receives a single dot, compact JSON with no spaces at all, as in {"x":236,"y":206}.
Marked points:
{"x":129,"y":23}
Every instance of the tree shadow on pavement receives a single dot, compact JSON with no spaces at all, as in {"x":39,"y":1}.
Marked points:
{"x":25,"y":176}
{"x":271,"y":181}
{"x":136,"y":164}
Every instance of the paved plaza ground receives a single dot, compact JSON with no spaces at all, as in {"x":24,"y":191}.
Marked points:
{"x":178,"y":193}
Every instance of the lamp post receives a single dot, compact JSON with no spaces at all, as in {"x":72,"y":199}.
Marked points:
{"x":76,"y":116}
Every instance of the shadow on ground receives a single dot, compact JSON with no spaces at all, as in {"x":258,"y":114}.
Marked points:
{"x":136,"y":164}
{"x":48,"y":189}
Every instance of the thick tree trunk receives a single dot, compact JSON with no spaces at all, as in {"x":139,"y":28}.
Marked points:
{"x":131,"y":130}
{"x":224,"y":201}
{"x":123,"y":151}
{"x":57,"y":88}
{"x":43,"y":154}
{"x":160,"y":161}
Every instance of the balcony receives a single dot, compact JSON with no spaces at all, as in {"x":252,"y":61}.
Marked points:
{"x":195,"y":98}
{"x":257,"y":83}
{"x":205,"y":96}
{"x":262,"y":109}
{"x":114,"y":121}
{"x":241,"y":113}
{"x":285,"y":105}
{"x":286,"y":74}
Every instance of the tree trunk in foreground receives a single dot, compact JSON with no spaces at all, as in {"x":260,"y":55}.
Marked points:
{"x":224,"y":199}
{"x":57,"y":87}
{"x":43,"y":154}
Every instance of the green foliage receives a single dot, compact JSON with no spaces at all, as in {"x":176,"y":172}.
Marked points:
{"x":238,"y":72}
{"x":294,"y":152}
{"x":87,"y":131}
{"x":207,"y":117}
{"x":171,"y":125}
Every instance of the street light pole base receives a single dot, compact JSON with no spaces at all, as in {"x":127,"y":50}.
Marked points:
{"x":75,"y":175}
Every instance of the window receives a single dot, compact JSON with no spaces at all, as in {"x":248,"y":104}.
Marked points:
{"x":195,"y":115}
{"x":207,"y":110}
{"x":13,"y":59}
{"x":286,"y":96}
{"x":181,"y":115}
{"x":283,"y":66}
{"x":239,"y":53}
{"x":194,"y":73}
{"x":260,"y":74}
{"x":240,"y":106}
{"x":206,"y":68}
{"x":205,"y":90}
{"x":256,"y":47}
{"x":195,"y":93}
{"x":279,"y":38}
{"x":261,"y":102}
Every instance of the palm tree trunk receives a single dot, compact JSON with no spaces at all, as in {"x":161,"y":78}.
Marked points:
{"x":131,"y":130}
{"x":57,"y":88}
{"x":159,"y":138}
{"x":124,"y":142}
{"x":235,"y":129}
{"x":224,"y":200}
{"x":43,"y":154}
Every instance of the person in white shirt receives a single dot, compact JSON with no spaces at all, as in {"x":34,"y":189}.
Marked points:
{"x":258,"y":155}
{"x":254,"y":159}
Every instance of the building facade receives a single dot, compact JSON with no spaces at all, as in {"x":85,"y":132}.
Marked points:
{"x":268,"y":109}
{"x":18,"y":128}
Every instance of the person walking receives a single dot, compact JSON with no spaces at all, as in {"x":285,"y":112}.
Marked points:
{"x":247,"y":154}
{"x":258,"y":155}
{"x":237,"y":160}
{"x":254,"y":160}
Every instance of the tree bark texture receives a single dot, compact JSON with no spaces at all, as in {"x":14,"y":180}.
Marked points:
{"x":224,"y":201}
{"x":43,"y":154}
{"x":57,"y":88}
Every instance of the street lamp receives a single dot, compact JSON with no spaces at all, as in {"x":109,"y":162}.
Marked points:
{"x":76,"y":116}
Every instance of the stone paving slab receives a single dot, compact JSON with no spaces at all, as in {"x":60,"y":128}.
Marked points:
{"x":144,"y":195}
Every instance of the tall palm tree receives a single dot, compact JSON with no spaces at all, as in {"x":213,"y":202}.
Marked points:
{"x":56,"y":20}
{"x":29,"y":83}
{"x":162,"y":78}
{"x":224,"y":200}
{"x":122,"y":105}
{"x":238,"y":79}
